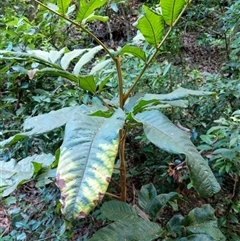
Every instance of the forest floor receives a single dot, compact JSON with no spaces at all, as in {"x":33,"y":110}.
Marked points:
{"x":199,"y":57}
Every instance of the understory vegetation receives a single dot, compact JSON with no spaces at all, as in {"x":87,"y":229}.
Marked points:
{"x":120,"y":120}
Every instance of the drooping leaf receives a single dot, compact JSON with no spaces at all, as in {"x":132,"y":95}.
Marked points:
{"x":168,"y":103}
{"x":88,"y":7}
{"x":39,"y":56}
{"x":14,"y":173}
{"x":177,"y":94}
{"x":88,"y":83}
{"x":47,"y":122}
{"x":171,"y":9}
{"x":52,"y":120}
{"x":100,"y":66}
{"x":85,"y":59}
{"x":63,"y":6}
{"x":86,"y":162}
{"x":55,"y":55}
{"x":118,"y":211}
{"x":164,"y":134}
{"x":57,"y":73}
{"x":68,"y":57}
{"x":151,"y":26}
{"x":135,"y":51}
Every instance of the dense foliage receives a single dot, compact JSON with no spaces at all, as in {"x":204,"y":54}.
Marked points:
{"x":78,"y":113}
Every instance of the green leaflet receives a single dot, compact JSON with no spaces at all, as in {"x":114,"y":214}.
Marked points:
{"x":86,"y":161}
{"x":63,"y":6}
{"x":87,"y":9}
{"x":151,"y":26}
{"x":135,"y":51}
{"x":171,"y":9}
{"x":164,"y":134}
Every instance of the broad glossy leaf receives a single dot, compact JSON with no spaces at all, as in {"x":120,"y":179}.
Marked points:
{"x":86,"y":162}
{"x":151,"y":26}
{"x":63,"y":6}
{"x":14,"y":173}
{"x":164,"y":134}
{"x":135,"y":51}
{"x":88,"y":7}
{"x":177,"y":94}
{"x":85,"y":59}
{"x":169,"y":103}
{"x":47,"y":122}
{"x":171,"y":9}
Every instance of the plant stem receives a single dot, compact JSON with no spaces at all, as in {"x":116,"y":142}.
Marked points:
{"x":123,"y":182}
{"x":79,"y":26}
{"x":154,"y":54}
{"x":113,"y":195}
{"x":120,"y":81}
